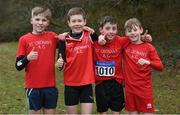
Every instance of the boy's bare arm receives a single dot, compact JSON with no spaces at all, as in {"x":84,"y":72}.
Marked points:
{"x":91,"y":30}
{"x":154,"y":62}
{"x":62,"y":36}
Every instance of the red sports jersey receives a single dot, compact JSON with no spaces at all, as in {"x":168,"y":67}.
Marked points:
{"x":41,"y":72}
{"x":108,"y":59}
{"x":138,"y":77}
{"x":78,"y":68}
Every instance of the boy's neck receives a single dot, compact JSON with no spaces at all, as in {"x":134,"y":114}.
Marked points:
{"x":35,"y":33}
{"x":75,"y":35}
{"x":109,"y":40}
{"x":137,"y":42}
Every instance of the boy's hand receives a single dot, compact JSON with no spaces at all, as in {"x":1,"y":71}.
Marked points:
{"x":60,"y":62}
{"x":146,"y":37}
{"x":33,"y":55}
{"x":142,"y":61}
{"x":62,"y":36}
{"x":88,"y":29}
{"x":102,"y":40}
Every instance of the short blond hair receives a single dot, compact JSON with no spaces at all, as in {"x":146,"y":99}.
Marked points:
{"x":76,"y":11}
{"x":131,"y":23}
{"x":41,"y":10}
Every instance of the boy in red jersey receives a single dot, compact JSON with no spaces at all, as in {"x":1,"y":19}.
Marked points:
{"x":139,"y":58}
{"x":108,"y":61}
{"x":36,"y":53}
{"x":103,"y":54}
{"x":76,"y":51}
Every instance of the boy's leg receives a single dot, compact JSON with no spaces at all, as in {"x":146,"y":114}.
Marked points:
{"x":72,"y":109}
{"x":49,"y":111}
{"x":136,"y":104}
{"x":34,"y":100}
{"x":109,"y":94}
{"x":115,"y":112}
{"x":136,"y":113}
{"x":130,"y":103}
{"x":86,"y":108}
{"x":148,"y":113}
{"x":34,"y":112}
{"x":102,"y":98}
{"x":39,"y":98}
{"x":145,"y":105}
{"x":50,"y":96}
{"x":133,"y":113}
{"x":86,"y":99}
{"x":71,"y":95}
{"x":116,"y":103}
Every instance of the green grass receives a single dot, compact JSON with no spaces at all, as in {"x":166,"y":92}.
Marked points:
{"x":166,"y":86}
{"x":12,"y":94}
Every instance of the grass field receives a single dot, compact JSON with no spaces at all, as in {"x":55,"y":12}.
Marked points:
{"x":166,"y":86}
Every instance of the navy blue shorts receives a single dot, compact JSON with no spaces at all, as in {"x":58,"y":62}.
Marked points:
{"x":109,"y":94}
{"x":42,"y":98}
{"x":75,"y":94}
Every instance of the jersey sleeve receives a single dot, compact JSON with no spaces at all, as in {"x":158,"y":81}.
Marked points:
{"x":155,"y":61}
{"x":62,"y":50}
{"x":94,"y":37}
{"x":123,"y":41}
{"x":55,"y":39}
{"x":21,"y":47}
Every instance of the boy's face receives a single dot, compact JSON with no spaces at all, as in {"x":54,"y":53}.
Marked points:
{"x":109,"y":30}
{"x":134,"y":33}
{"x":39,"y":23}
{"x":76,"y":23}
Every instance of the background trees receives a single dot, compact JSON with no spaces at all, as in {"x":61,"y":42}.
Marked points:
{"x":160,"y":17}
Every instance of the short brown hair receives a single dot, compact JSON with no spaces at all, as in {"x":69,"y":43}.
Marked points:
{"x":41,"y":10}
{"x":76,"y":11}
{"x":131,"y":23}
{"x":107,"y":19}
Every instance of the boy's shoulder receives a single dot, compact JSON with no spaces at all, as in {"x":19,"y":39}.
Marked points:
{"x":121,"y":37}
{"x":149,"y":46}
{"x":47,"y":33}
{"x":50,"y":33}
{"x":30,"y":34}
{"x":26,"y":35}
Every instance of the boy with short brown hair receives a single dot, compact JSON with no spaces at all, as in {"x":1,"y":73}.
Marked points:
{"x":139,"y":58}
{"x":36,"y":53}
{"x":76,"y":54}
